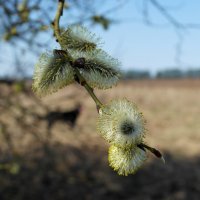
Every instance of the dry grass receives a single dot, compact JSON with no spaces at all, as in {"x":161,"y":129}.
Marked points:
{"x":72,"y":163}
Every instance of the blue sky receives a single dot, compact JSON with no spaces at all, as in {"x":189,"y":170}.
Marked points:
{"x":143,"y":47}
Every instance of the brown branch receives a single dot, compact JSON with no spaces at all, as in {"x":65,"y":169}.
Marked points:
{"x":59,"y":13}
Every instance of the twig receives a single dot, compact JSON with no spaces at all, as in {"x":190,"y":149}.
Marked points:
{"x":88,"y":88}
{"x":171,"y":19}
{"x":59,"y":13}
{"x":81,"y":79}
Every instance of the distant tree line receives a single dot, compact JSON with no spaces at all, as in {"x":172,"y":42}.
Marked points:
{"x":168,"y":73}
{"x":136,"y":74}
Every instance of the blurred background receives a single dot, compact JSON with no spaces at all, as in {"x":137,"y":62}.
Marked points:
{"x":50,"y":149}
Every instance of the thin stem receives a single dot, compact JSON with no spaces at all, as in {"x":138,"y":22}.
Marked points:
{"x":89,"y":89}
{"x":59,"y":13}
{"x":96,"y":100}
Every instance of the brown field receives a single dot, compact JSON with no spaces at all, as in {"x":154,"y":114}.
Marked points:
{"x":71,"y":163}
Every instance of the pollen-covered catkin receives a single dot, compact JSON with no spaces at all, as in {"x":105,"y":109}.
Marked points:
{"x":126,"y":161}
{"x":121,"y":124}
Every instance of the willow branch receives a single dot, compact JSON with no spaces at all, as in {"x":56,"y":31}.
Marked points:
{"x":81,"y":80}
{"x":59,"y":13}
